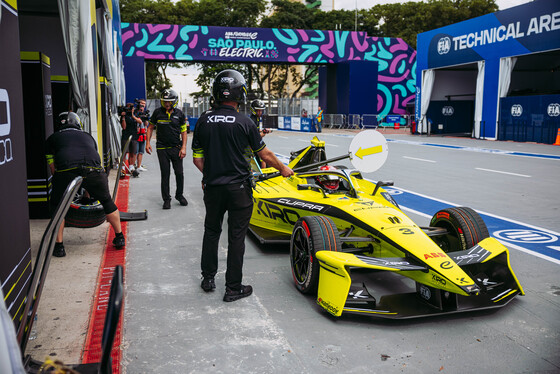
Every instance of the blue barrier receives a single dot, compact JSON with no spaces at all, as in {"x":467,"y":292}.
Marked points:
{"x":303,"y":124}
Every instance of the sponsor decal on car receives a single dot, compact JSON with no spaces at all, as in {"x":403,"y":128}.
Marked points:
{"x":425,"y":292}
{"x":328,"y":306}
{"x":301,"y":204}
{"x":275,"y":212}
{"x":434,"y":255}
{"x":436,"y":278}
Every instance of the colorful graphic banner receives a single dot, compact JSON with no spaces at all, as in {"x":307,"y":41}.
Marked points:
{"x":396,"y":59}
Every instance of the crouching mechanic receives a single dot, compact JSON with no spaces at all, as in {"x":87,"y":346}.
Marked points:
{"x":72,"y":152}
{"x":223,"y":144}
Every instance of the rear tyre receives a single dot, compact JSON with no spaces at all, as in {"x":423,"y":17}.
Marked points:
{"x":311,"y":234}
{"x":84,"y":212}
{"x":465,"y":228}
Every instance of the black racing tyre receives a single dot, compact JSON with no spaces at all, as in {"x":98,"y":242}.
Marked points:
{"x":84,"y":212}
{"x":464,"y":226}
{"x":311,"y":234}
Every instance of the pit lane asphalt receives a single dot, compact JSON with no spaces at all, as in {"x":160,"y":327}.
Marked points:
{"x":172,"y":326}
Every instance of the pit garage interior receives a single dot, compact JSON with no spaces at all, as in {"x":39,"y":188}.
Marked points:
{"x":493,"y":77}
{"x":56,"y":56}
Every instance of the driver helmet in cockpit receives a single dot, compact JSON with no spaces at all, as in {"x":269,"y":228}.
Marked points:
{"x":329,"y":182}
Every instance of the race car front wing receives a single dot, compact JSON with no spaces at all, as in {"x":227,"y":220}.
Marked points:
{"x":488,"y":262}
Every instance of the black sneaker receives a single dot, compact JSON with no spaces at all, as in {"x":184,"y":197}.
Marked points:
{"x":119,"y":241}
{"x":59,"y":250}
{"x":232,"y":295}
{"x":167,"y":204}
{"x":208,"y":284}
{"x":182,"y":200}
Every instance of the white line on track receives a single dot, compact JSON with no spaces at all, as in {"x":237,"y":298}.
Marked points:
{"x":504,"y":172}
{"x":418,"y":159}
{"x":283,"y":137}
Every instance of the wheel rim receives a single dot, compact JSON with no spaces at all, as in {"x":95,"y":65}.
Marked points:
{"x":300,"y":255}
{"x":449,"y":241}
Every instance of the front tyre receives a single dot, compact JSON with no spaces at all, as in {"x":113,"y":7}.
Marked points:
{"x":465,"y":228}
{"x":311,"y":234}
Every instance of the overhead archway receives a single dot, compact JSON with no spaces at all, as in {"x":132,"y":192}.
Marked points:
{"x":357,"y":61}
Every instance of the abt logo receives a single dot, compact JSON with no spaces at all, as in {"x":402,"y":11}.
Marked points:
{"x":444,"y":46}
{"x":6,"y":154}
{"x":447,"y":110}
{"x":553,"y":110}
{"x":516,"y":110}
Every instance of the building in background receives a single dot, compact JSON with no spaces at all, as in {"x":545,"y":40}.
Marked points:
{"x":493,"y":77}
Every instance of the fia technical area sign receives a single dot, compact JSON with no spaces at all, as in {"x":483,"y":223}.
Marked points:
{"x":520,"y":30}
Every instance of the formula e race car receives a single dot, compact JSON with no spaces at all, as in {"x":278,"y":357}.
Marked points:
{"x":341,"y":227}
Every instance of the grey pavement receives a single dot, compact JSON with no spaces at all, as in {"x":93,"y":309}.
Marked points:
{"x":172,"y":326}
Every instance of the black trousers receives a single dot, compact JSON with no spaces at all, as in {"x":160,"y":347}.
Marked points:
{"x":237,"y":200}
{"x":165,"y":157}
{"x":94,"y":182}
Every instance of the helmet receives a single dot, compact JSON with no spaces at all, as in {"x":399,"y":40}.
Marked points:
{"x":229,"y":85}
{"x":67,"y":120}
{"x":257,"y":105}
{"x":330,"y":182}
{"x":169,"y":95}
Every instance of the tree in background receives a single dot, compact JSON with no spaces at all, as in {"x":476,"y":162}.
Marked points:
{"x":407,"y":20}
{"x":404,"y":20}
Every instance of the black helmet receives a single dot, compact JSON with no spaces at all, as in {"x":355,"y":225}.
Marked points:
{"x":67,"y":120}
{"x":257,"y":105}
{"x":169,"y":95}
{"x":229,"y":85}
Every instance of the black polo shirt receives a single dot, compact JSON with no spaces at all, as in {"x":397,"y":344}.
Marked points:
{"x":131,"y":128}
{"x":72,"y":148}
{"x":226,"y":140}
{"x":169,"y":127}
{"x":258,"y":120}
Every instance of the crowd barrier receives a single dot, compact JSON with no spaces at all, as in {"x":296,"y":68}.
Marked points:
{"x":333,"y":121}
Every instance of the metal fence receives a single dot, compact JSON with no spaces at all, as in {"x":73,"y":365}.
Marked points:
{"x":304,"y":107}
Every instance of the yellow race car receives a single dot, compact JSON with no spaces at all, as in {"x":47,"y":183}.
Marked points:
{"x":339,"y":224}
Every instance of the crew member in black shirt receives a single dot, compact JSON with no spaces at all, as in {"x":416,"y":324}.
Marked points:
{"x":129,"y":125}
{"x":223,"y":145}
{"x":171,"y":145}
{"x":72,"y":152}
{"x":257,"y":109}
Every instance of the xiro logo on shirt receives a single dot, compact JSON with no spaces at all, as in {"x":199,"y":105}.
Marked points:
{"x":553,"y":110}
{"x":516,"y":110}
{"x":444,"y":46}
{"x":218,"y":118}
{"x":525,"y":236}
{"x":6,"y":154}
{"x":447,"y":110}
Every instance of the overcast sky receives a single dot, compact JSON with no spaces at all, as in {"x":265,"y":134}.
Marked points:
{"x":366,"y":4}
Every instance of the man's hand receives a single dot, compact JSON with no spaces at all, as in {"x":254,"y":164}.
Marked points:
{"x":148,"y":147}
{"x":183,"y":152}
{"x":286,"y":172}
